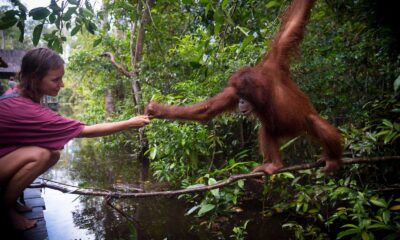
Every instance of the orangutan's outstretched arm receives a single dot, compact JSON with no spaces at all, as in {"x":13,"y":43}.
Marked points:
{"x":203,"y":111}
{"x":287,"y":40}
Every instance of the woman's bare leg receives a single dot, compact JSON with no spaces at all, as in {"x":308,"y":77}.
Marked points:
{"x":18,"y":170}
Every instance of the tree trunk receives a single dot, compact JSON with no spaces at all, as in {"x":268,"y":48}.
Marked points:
{"x":136,"y":56}
{"x":136,"y":88}
{"x":109,"y":101}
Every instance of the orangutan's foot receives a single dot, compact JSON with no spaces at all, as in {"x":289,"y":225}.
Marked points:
{"x":20,"y":222}
{"x":331,"y":166}
{"x":268,"y":168}
{"x":21,"y":208}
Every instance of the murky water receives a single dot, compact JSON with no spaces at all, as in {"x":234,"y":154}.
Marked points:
{"x":60,"y":207}
{"x":70,"y":216}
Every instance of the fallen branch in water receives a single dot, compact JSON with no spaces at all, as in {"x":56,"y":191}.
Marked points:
{"x":112,"y":194}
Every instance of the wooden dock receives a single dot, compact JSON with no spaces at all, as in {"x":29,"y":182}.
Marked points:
{"x":33,"y":198}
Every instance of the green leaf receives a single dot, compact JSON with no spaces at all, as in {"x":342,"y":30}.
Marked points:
{"x":378,"y":226}
{"x":378,"y":202}
{"x":85,"y":13}
{"x":195,"y":186}
{"x":39,"y":13}
{"x":224,"y":4}
{"x":21,"y":27}
{"x":386,"y":216}
{"x":10,"y":14}
{"x":97,"y":42}
{"x":364,"y":236}
{"x":287,"y":175}
{"x":214,"y":192}
{"x":88,"y":5}
{"x":347,"y":232}
{"x":245,"y":43}
{"x":52,"y":18}
{"x":217,"y":28}
{"x":244,"y":30}
{"x":75,"y":30}
{"x":192,"y":210}
{"x":291,"y":141}
{"x":272,"y":4}
{"x":73,"y":2}
{"x":383,"y":133}
{"x":7,"y":22}
{"x":211,"y":181}
{"x":387,"y":123}
{"x":153,"y":153}
{"x":396,"y":84}
{"x":349,"y":226}
{"x":305,"y":207}
{"x":91,"y":27}
{"x":37,"y":32}
{"x":205,"y":209}
{"x":387,"y":139}
{"x":314,"y":210}
{"x":53,"y":6}
{"x":67,"y":16}
{"x":241,"y":183}
{"x":56,"y":44}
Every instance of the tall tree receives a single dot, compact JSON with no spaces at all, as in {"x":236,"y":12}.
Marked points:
{"x":136,"y":51}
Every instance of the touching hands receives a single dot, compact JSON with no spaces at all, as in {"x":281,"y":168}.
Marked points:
{"x":152,"y":109}
{"x":139,"y":121}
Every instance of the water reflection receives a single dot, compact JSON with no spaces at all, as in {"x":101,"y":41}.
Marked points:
{"x":59,"y":215}
{"x":88,"y":217}
{"x":71,"y":216}
{"x":60,"y":207}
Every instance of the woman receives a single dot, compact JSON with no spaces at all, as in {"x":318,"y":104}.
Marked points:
{"x":31,"y":135}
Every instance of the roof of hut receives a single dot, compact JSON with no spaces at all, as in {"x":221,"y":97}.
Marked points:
{"x":10,"y":62}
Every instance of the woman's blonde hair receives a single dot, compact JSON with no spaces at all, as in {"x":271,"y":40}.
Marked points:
{"x":35,"y":65}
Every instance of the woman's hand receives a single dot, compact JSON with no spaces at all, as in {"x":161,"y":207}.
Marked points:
{"x":139,"y":121}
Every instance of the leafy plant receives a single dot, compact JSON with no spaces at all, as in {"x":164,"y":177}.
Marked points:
{"x":239,"y":232}
{"x":361,"y":141}
{"x":382,"y":222}
{"x":64,"y":15}
{"x":389,"y":131}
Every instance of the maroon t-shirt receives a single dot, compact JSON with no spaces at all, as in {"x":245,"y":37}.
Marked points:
{"x":26,"y":123}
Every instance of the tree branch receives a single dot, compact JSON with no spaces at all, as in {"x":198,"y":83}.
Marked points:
{"x":118,"y":66}
{"x":110,"y":194}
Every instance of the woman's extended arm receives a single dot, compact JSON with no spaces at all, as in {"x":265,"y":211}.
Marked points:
{"x":103,"y":129}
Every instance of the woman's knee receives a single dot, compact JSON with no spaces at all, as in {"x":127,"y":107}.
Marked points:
{"x":38,"y":154}
{"x":44,"y":157}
